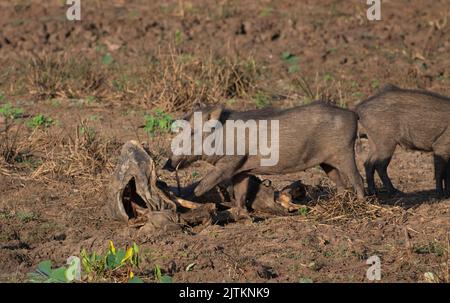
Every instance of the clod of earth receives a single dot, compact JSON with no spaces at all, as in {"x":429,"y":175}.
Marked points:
{"x":138,"y":197}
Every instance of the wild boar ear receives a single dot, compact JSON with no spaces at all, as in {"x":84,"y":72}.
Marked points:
{"x":216,"y":113}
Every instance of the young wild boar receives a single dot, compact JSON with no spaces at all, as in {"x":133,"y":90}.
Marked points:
{"x":311,"y":135}
{"x":416,"y":120}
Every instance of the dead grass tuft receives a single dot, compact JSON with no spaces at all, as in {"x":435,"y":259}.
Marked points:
{"x":174,"y":81}
{"x":64,"y":76}
{"x":346,"y":206}
{"x":82,"y":154}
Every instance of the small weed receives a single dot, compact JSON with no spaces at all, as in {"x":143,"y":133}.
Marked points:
{"x":430,"y":248}
{"x":179,"y":37}
{"x":266,"y":11}
{"x":441,"y":78}
{"x":159,"y":121}
{"x":10,"y":112}
{"x":40,"y":121}
{"x":357,"y":94}
{"x":55,"y":102}
{"x":46,"y":274}
{"x":107,"y":59}
{"x":291,"y":61}
{"x":25,"y":216}
{"x":261,"y":100}
{"x":160,"y":277}
{"x":114,"y":264}
{"x":328,"y":78}
{"x":375,"y":84}
{"x":303,"y":211}
{"x":91,"y":99}
{"x":231,"y":101}
{"x":94,"y":117}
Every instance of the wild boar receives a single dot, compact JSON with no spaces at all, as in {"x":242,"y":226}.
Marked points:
{"x":414,"y":119}
{"x":310,"y":135}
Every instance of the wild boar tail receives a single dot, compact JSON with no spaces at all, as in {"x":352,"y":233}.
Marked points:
{"x":360,"y":134}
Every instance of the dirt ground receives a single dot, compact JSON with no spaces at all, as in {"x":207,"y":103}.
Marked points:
{"x":98,"y":77}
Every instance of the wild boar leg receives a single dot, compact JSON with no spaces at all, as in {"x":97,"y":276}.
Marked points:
{"x":240,"y":187}
{"x":441,"y":149}
{"x":224,"y":170}
{"x":334,"y":175}
{"x":380,"y":156}
{"x":440,"y":174}
{"x":347,"y":167}
{"x":447,"y":179}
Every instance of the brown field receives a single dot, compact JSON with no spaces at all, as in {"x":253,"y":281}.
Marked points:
{"x":96,"y":80}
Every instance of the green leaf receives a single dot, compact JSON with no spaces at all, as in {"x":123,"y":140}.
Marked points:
{"x":107,"y":59}
{"x":135,"y":280}
{"x":35,"y":277}
{"x":9,"y":111}
{"x":59,"y":275}
{"x":45,"y":267}
{"x":157,"y":272}
{"x":135,"y":259}
{"x":293,"y":69}
{"x":286,"y":55}
{"x":110,"y":261}
{"x":165,"y":279}
{"x":120,"y":255}
{"x":305,"y":280}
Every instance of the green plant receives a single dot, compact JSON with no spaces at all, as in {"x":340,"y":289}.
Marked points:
{"x":291,"y":61}
{"x":26,"y":216}
{"x":46,"y":274}
{"x":431,"y":248}
{"x":107,"y":59}
{"x":159,"y":121}
{"x":328,"y":77}
{"x":40,"y":121}
{"x":375,"y":83}
{"x":266,"y":11}
{"x":261,"y":100}
{"x":160,"y":277}
{"x":10,"y":112}
{"x":178,"y":37}
{"x":91,"y":99}
{"x":303,"y":211}
{"x":114,"y":263}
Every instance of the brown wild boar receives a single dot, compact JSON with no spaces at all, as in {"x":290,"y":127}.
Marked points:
{"x":311,"y":135}
{"x":413,"y":119}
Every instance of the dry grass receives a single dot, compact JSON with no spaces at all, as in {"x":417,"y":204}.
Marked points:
{"x":81,"y":153}
{"x":64,"y":76}
{"x":172,"y":81}
{"x":58,"y":155}
{"x":325,"y":88}
{"x":346,"y":206}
